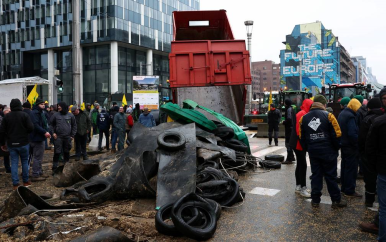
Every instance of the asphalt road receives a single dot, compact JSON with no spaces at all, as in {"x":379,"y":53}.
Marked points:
{"x":283,"y":215}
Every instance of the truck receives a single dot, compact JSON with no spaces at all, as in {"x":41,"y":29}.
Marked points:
{"x":338,"y":91}
{"x":260,"y":121}
{"x":18,"y":88}
{"x":207,"y":64}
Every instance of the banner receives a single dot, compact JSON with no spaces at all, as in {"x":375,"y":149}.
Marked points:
{"x":33,"y":95}
{"x":145,"y":91}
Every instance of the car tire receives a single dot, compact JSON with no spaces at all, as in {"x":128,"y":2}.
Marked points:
{"x":270,"y":164}
{"x":171,"y":140}
{"x":160,"y":224}
{"x":236,"y":145}
{"x":224,"y":132}
{"x":279,"y":158}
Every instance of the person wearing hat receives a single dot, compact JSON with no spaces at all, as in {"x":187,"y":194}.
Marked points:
{"x":361,"y":113}
{"x":319,"y":135}
{"x":83,"y":126}
{"x":14,"y":131}
{"x":87,"y":111}
{"x":103,"y":124}
{"x":274,"y":118}
{"x":37,"y":140}
{"x":376,"y":156}
{"x":147,"y":119}
{"x":119,"y":125}
{"x":349,"y":143}
{"x":343,"y":102}
{"x":63,"y":129}
{"x":93,"y":117}
{"x":27,"y":108}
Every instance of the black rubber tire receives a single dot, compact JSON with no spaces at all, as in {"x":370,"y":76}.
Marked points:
{"x":218,"y":124}
{"x":216,"y":206}
{"x":209,"y":163}
{"x":236,"y":145}
{"x":163,"y":141}
{"x":279,"y":158}
{"x":224,"y":132}
{"x":233,"y":195}
{"x":270,"y":164}
{"x":162,"y":227}
{"x":199,"y":234}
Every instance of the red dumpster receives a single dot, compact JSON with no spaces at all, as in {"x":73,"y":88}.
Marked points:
{"x":204,"y":52}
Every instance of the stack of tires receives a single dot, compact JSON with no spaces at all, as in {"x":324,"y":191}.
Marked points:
{"x":272,"y":161}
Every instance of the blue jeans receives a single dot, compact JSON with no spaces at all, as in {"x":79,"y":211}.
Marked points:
{"x":324,"y":166}
{"x":23,"y":153}
{"x":114,"y":137}
{"x":349,"y":170}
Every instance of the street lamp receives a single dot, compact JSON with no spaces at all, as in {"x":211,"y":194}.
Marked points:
{"x":249,"y":27}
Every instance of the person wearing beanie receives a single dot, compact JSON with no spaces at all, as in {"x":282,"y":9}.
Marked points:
{"x":319,"y":135}
{"x":349,"y":142}
{"x":343,"y":102}
{"x":27,"y":108}
{"x":63,"y":128}
{"x":274,"y":118}
{"x":14,"y":131}
{"x":37,"y":139}
{"x":83,"y":126}
{"x":362,"y":111}
{"x":288,"y":114}
{"x":103,"y":124}
{"x":87,"y":111}
{"x":376,"y":155}
{"x":93,"y":117}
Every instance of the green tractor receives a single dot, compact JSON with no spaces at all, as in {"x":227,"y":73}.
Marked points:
{"x":260,"y":120}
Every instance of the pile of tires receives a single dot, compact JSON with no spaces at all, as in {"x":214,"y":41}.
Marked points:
{"x":272,"y":161}
{"x":215,"y":185}
{"x":191,"y":216}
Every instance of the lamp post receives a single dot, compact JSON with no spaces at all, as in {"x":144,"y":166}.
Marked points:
{"x":249,"y":27}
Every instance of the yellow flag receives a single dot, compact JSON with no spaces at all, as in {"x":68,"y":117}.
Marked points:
{"x":82,"y":107}
{"x":33,"y":95}
{"x":270,"y":99}
{"x":92,"y":107}
{"x":124,"y":102}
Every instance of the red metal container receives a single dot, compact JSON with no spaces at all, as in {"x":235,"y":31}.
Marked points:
{"x":204,"y":52}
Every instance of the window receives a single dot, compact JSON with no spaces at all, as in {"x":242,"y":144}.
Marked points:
{"x":264,"y":78}
{"x":264,"y":68}
{"x":264,"y":74}
{"x":274,"y":73}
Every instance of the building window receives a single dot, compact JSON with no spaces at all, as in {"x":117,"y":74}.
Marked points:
{"x":264,"y":78}
{"x":264,"y":68}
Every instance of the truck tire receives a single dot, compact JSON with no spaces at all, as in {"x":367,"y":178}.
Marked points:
{"x":164,"y":228}
{"x":224,"y":132}
{"x":171,"y":140}
{"x":279,"y":158}
{"x":236,"y":145}
{"x":270,"y":164}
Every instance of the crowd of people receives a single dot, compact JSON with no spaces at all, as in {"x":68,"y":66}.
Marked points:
{"x":26,"y":131}
{"x":359,"y":132}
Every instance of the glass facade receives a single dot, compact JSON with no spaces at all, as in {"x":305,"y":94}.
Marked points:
{"x":30,"y":27}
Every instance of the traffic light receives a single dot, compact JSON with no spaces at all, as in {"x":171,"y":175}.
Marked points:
{"x":59,"y":84}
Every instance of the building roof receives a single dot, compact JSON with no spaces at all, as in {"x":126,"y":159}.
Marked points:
{"x":26,"y":80}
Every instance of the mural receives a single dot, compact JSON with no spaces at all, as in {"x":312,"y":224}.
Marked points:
{"x":312,"y":51}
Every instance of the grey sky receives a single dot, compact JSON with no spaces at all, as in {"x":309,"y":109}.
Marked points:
{"x":359,"y":24}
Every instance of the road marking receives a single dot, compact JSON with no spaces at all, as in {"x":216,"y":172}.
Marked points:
{"x":262,"y":153}
{"x":324,"y":200}
{"x":264,"y":191}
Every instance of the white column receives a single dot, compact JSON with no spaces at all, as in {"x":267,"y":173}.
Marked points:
{"x":81,"y":76}
{"x":52,"y":92}
{"x":114,"y":66}
{"x":149,"y":62}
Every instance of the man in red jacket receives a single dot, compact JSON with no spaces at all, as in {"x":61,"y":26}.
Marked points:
{"x":301,"y":166}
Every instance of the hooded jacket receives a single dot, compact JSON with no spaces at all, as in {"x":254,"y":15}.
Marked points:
{"x":119,"y":123}
{"x":103,"y":121}
{"x":288,"y":114}
{"x":63,"y":123}
{"x":319,"y":132}
{"x":15,"y":126}
{"x":147,"y":120}
{"x":375,"y":143}
{"x":274,"y":117}
{"x":365,"y":127}
{"x":40,"y":122}
{"x":113,"y":111}
{"x":83,"y":123}
{"x":348,"y":122}
{"x":361,"y":113}
{"x":93,"y":116}
{"x":304,"y":109}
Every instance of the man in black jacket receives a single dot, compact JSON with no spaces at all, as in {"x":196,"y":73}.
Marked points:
{"x":14,"y":130}
{"x":274,"y":118}
{"x":83,"y":125}
{"x":319,"y":135}
{"x":63,"y":128}
{"x":376,"y":157}
{"x":289,"y":113}
{"x":37,"y":139}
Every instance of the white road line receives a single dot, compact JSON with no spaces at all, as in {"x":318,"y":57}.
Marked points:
{"x":264,"y":191}
{"x":262,"y":153}
{"x":324,"y":200}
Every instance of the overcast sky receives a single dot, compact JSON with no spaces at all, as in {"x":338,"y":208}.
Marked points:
{"x":359,"y":24}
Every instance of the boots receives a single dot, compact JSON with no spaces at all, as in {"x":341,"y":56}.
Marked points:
{"x":369,"y":199}
{"x":290,"y":158}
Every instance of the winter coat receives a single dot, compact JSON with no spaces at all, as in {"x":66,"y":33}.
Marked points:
{"x":129,"y":121}
{"x":63,"y":125}
{"x":319,"y":132}
{"x":274,"y":117}
{"x":136,"y":114}
{"x":16,"y":126}
{"x":361,"y":113}
{"x":50,"y":114}
{"x":27,"y":111}
{"x":93,"y":116}
{"x":289,"y":113}
{"x":348,"y":122}
{"x":304,"y":109}
{"x":83,"y":123}
{"x":365,"y":127}
{"x":119,"y":122}
{"x":103,"y":121}
{"x":113,"y":111}
{"x":375,"y":146}
{"x":147,"y":120}
{"x":2,"y":153}
{"x":40,"y":125}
